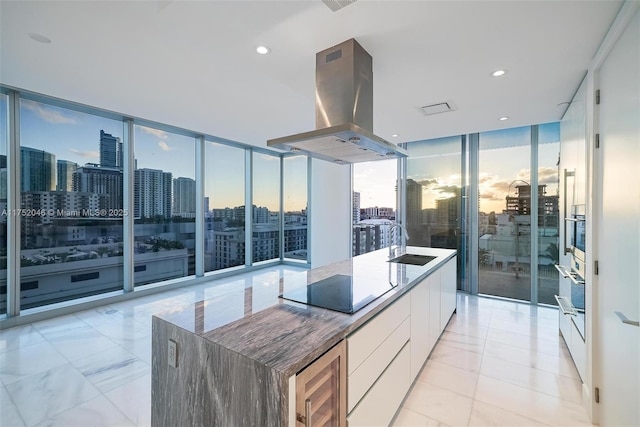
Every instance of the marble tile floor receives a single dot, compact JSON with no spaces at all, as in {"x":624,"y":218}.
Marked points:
{"x":498,"y":363}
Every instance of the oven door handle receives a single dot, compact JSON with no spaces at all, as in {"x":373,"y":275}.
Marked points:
{"x":567,"y":174}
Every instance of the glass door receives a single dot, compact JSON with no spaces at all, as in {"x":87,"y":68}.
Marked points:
{"x":504,"y":213}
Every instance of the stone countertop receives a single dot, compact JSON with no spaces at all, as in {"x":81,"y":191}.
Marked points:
{"x":287,"y":336}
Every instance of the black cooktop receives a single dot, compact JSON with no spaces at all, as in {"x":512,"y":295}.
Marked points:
{"x":339,"y":293}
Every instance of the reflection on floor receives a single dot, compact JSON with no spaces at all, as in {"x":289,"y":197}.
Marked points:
{"x":498,"y":363}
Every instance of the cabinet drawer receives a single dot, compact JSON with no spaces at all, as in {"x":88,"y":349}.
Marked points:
{"x":365,"y":340}
{"x":368,"y":372}
{"x":380,"y":404}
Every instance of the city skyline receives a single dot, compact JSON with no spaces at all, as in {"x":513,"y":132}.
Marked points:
{"x":76,"y":137}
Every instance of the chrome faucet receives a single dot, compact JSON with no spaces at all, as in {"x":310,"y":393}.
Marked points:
{"x":403,"y":240}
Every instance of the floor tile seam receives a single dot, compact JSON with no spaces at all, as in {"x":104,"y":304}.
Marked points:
{"x":536,"y":350}
{"x":403,"y":407}
{"x":75,"y":359}
{"x":509,"y":411}
{"x":41,"y":371}
{"x":56,"y":413}
{"x":475,"y":389}
{"x":562,"y":401}
{"x":531,"y":351}
{"x":528,"y":388}
{"x":516,"y":331}
{"x":447,"y":390}
{"x":28,"y":345}
{"x":82,"y":403}
{"x":449,"y":347}
{"x":519,"y":333}
{"x":14,"y":405}
{"x":535,"y":368}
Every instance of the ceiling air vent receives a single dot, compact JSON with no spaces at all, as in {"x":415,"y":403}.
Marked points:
{"x":441,"y":107}
{"x":336,"y":5}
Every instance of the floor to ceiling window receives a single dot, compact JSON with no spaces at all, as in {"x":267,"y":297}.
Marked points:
{"x":71,"y":180}
{"x":164,"y":205}
{"x":374,"y":204}
{"x":295,"y":207}
{"x":434,"y":190}
{"x":224,"y":189}
{"x":504,"y":214}
{"x":266,"y":207}
{"x":548,"y":211}
{"x":4,"y":137}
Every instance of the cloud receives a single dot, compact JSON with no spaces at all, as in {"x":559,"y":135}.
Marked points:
{"x":85,"y":154}
{"x":448,"y":190}
{"x":164,"y":146}
{"x":547,"y":175}
{"x":49,"y":114}
{"x":155,"y":132}
{"x":426,"y":183}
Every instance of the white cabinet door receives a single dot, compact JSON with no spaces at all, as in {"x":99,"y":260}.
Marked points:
{"x":419,"y":326}
{"x":434,"y":308}
{"x":382,"y":401}
{"x":447,"y":291}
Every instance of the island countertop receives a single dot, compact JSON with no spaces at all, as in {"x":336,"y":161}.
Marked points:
{"x":287,"y":336}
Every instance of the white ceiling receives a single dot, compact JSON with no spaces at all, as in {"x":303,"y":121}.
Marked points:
{"x":193,"y":64}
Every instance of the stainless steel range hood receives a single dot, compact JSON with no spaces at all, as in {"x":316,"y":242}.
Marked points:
{"x":344,"y":111}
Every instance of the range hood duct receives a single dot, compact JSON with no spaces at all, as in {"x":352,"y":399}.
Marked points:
{"x":344,"y":111}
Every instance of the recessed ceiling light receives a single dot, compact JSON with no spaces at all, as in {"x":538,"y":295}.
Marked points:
{"x":503,"y":118}
{"x":263,"y":50}
{"x":40,"y":38}
{"x":395,"y":135}
{"x":499,"y":73}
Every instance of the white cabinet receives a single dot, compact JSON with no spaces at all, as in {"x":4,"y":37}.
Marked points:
{"x":385,"y":355}
{"x":382,"y":401}
{"x":448,"y":287}
{"x":373,"y":347}
{"x":434,"y":308}
{"x":420,"y":347}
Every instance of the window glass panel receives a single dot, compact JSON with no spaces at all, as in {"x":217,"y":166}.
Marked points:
{"x":374,"y":204}
{"x":4,"y":137}
{"x":548,"y":212}
{"x":504,"y":218}
{"x":266,"y":207}
{"x":295,"y":207}
{"x":224,"y":206}
{"x":71,"y":192}
{"x":434,"y":187}
{"x":164,"y":205}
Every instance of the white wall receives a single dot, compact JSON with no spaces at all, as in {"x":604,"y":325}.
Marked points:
{"x":616,"y":234}
{"x":330,"y":213}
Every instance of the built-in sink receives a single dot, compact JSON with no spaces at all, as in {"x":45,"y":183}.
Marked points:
{"x":413,"y":259}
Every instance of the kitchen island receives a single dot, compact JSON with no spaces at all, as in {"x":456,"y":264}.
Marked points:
{"x":236,"y":366}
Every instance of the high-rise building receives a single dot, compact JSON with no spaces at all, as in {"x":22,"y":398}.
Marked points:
{"x":92,"y":178}
{"x":184,"y":197}
{"x":111,"y":154}
{"x":377,"y":212}
{"x":37,"y":170}
{"x":548,"y":209}
{"x":414,"y":202}
{"x":66,"y":169}
{"x":356,"y":207}
{"x":152,"y":193}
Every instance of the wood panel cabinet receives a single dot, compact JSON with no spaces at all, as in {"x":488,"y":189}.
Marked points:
{"x":321,"y":390}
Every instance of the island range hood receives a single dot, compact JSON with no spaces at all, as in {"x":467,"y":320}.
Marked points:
{"x":344,"y":111}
